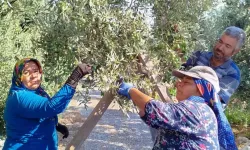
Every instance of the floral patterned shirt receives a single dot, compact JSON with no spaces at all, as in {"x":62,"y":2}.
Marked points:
{"x":187,"y":125}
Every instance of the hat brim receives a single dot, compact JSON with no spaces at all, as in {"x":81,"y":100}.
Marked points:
{"x":181,"y":74}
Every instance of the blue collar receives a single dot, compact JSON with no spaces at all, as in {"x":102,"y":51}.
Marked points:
{"x":196,"y":99}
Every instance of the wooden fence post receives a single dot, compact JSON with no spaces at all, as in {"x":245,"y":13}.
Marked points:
{"x":91,"y":121}
{"x":159,"y":88}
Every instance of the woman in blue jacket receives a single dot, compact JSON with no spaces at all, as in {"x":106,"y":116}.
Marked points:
{"x":30,"y":114}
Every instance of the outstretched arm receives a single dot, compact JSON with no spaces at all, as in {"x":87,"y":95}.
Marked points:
{"x":158,"y":114}
{"x":30,"y":105}
{"x":140,"y":99}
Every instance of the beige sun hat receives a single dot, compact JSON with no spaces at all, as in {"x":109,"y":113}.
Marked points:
{"x":200,"y":72}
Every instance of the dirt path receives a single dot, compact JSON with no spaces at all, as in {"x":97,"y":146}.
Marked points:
{"x":113,"y":132}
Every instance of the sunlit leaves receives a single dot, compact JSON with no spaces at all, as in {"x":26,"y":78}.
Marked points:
{"x":93,"y":32}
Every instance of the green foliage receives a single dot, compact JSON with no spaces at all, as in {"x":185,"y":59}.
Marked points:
{"x":16,"y":43}
{"x":63,"y":33}
{"x":215,"y":21}
{"x":175,"y":32}
{"x":243,"y":62}
{"x":233,"y":13}
{"x":93,"y":32}
{"x":110,"y":34}
{"x":238,"y":112}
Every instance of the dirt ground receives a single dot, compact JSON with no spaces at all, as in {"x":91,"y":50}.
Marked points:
{"x":114,"y":131}
{"x":117,"y":132}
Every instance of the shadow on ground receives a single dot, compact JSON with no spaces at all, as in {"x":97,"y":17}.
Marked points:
{"x":113,"y":132}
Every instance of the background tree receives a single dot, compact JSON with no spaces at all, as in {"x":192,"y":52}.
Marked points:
{"x":110,"y":34}
{"x":16,"y":40}
{"x":232,"y":13}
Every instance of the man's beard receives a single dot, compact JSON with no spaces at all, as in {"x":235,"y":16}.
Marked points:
{"x":218,"y":55}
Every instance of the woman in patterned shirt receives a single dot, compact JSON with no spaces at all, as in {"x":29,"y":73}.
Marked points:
{"x":196,"y":122}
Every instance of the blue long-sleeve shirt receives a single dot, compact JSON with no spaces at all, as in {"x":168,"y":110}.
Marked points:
{"x":30,"y":119}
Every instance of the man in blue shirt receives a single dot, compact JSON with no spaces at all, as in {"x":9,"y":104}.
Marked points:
{"x":229,"y":44}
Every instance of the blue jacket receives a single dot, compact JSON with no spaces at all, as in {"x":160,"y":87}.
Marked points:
{"x":31,"y":119}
